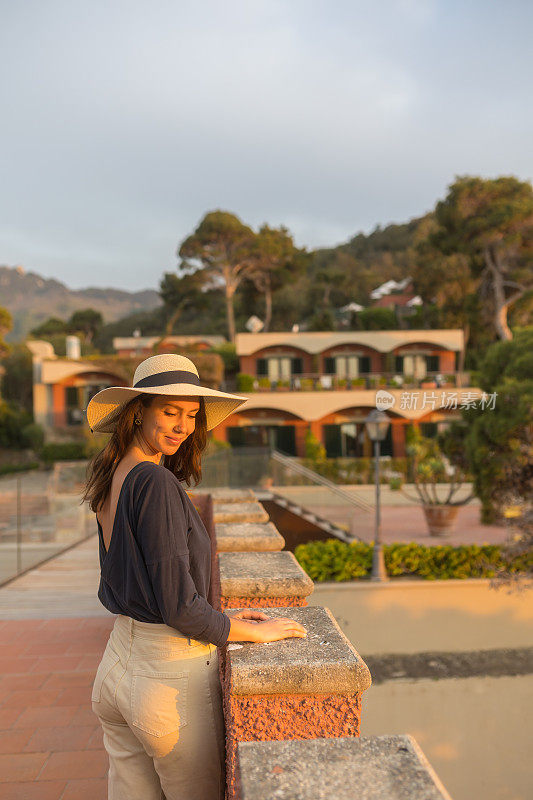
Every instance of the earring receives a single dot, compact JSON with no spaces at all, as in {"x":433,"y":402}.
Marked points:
{"x":137,"y":421}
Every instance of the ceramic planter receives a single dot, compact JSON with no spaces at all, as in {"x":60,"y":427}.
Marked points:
{"x":441,"y":519}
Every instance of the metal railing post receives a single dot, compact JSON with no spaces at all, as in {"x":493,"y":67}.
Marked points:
{"x":379,"y":573}
{"x":19,"y":525}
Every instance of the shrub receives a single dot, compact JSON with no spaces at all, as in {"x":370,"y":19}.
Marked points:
{"x":228,"y":352}
{"x":8,"y":469}
{"x":355,"y":470}
{"x":215,"y":445}
{"x":245,"y":382}
{"x":13,"y":420}
{"x":33,"y":435}
{"x":314,"y":449}
{"x":63,"y":451}
{"x":334,"y":560}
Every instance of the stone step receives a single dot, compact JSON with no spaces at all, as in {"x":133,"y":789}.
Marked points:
{"x":310,"y":516}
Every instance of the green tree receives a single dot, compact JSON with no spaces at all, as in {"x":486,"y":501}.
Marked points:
{"x":322,"y":320}
{"x":376,"y":318}
{"x":275,"y":262}
{"x":490,"y":222}
{"x":6,"y":323}
{"x":50,"y":327}
{"x":222,"y":246}
{"x":17,"y":380}
{"x":86,"y":321}
{"x":499,"y":441}
{"x":446,"y":285}
{"x":150,"y":323}
{"x":180,"y":293}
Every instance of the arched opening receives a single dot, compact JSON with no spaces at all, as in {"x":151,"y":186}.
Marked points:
{"x":267,"y":427}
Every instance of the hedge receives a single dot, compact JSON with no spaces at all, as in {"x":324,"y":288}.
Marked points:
{"x":361,"y":470}
{"x":8,"y":469}
{"x":63,"y":451}
{"x":333,"y":560}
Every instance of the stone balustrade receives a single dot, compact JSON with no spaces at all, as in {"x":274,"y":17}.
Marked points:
{"x":294,"y":688}
{"x":292,"y":708}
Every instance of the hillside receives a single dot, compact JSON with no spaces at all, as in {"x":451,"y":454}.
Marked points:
{"x":332,"y":277}
{"x":31,"y":299}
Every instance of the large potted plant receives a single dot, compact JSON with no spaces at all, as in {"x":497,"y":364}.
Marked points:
{"x":437,"y":482}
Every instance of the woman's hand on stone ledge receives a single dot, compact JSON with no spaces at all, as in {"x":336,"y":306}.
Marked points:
{"x":257,"y":627}
{"x":247,"y":613}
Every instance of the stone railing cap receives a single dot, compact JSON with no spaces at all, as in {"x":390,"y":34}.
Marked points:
{"x":262,"y":575}
{"x":226,"y":495}
{"x":239,"y":512}
{"x":347,"y":768}
{"x":235,"y":537}
{"x":324,"y":662}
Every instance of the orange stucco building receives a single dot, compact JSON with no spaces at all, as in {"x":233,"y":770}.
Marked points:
{"x":325,"y":382}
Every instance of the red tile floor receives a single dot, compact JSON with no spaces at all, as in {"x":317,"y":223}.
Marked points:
{"x":50,"y":740}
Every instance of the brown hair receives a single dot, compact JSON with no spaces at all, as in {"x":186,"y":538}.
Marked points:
{"x":185,"y":463}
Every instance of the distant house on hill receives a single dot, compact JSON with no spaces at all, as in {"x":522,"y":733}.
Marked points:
{"x":395,"y":294}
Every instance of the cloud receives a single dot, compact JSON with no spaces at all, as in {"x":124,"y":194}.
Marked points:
{"x":126,"y":122}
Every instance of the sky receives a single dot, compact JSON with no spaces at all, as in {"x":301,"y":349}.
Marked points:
{"x":124,"y":122}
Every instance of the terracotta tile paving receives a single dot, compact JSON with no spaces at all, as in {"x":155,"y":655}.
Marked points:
{"x":36,"y":790}
{"x":50,"y":740}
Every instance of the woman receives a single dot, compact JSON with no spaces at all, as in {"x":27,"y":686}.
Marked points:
{"x":157,"y":691}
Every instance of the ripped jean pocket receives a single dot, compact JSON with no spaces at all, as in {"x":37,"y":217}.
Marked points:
{"x":159,"y":701}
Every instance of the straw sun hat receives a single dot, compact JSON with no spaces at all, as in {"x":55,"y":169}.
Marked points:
{"x":167,"y":374}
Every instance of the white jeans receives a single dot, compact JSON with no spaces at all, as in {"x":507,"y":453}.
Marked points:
{"x":157,"y":695}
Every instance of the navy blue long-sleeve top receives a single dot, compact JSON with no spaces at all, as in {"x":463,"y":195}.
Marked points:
{"x":158,"y":565}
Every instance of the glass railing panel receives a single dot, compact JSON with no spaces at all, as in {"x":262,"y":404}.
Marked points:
{"x":40,"y":516}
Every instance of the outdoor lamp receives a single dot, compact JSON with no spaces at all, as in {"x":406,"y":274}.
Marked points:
{"x":377,"y":425}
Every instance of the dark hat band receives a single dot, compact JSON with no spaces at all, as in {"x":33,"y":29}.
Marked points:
{"x":166,"y":378}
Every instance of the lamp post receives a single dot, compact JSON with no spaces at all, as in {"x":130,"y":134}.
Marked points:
{"x":377,"y":424}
